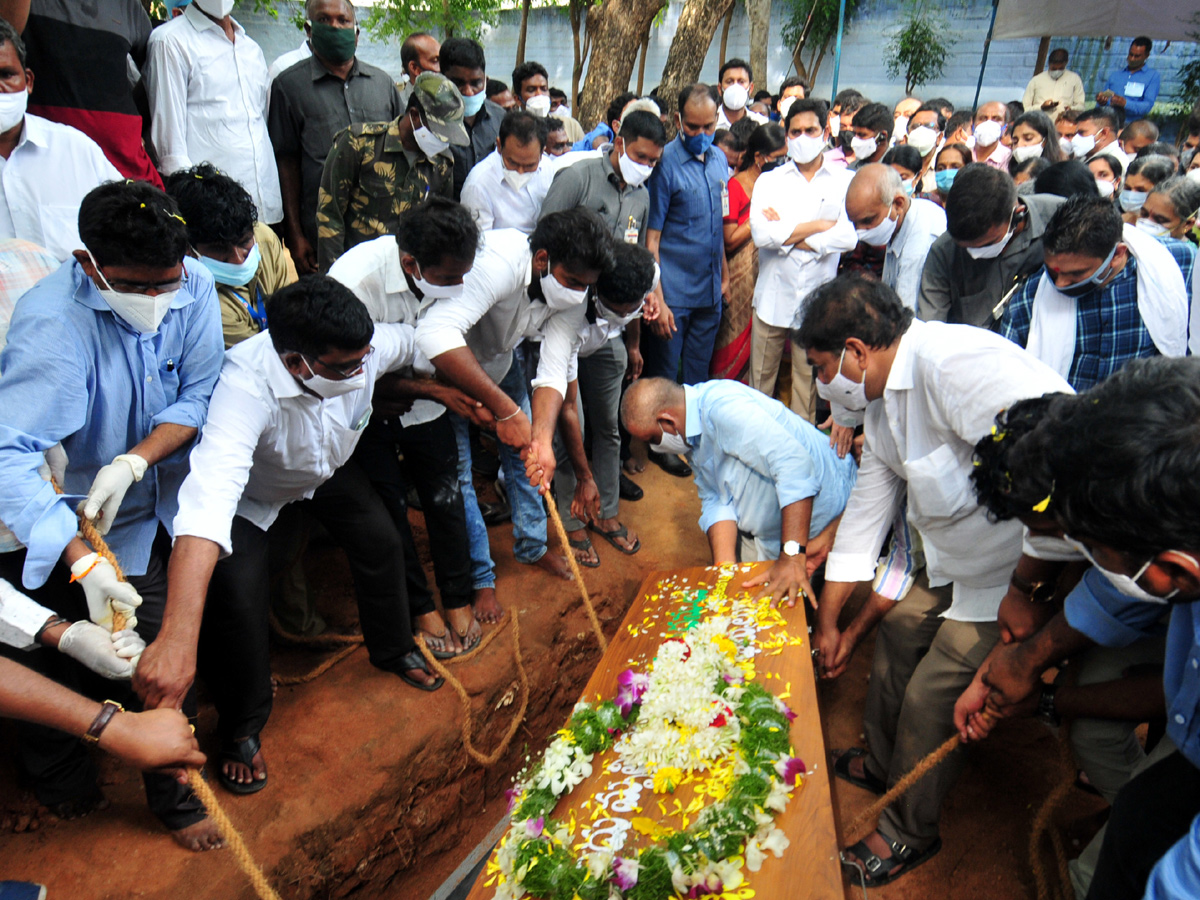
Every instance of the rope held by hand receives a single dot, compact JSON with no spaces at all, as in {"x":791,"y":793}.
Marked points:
{"x":87,"y":531}
{"x":233,"y":837}
{"x":561,"y":531}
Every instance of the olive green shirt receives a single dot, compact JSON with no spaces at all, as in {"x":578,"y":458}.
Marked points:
{"x":275,"y":271}
{"x":368,"y":180}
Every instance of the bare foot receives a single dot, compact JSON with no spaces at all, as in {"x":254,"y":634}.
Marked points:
{"x":79,"y":807}
{"x":556,"y":565}
{"x":487,"y":608}
{"x":243,"y":774}
{"x":587,"y":556}
{"x":629,"y":543}
{"x":633,"y":466}
{"x":199,"y":837}
{"x":464,"y":626}
{"x":438,"y":638}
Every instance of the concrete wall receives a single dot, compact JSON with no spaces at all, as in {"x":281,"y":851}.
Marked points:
{"x":1010,"y":63}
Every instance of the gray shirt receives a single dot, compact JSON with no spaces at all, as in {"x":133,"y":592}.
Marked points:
{"x":593,"y":183}
{"x":958,"y":289}
{"x":483,"y":133}
{"x":309,"y":106}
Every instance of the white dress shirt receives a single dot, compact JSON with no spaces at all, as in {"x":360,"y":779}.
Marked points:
{"x":289,"y":59}
{"x":946,"y":385}
{"x":372,"y":271}
{"x":21,"y":617}
{"x":495,"y":203}
{"x":1114,"y":150}
{"x":904,"y":260}
{"x":786,"y":274}
{"x":495,"y":313}
{"x":723,"y":120}
{"x":43,"y":181}
{"x":208,"y":101}
{"x":267,"y":442}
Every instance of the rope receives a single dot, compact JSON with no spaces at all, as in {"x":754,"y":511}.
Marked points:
{"x":1042,"y":827}
{"x":318,"y":671}
{"x":468,"y":725}
{"x":574,"y":564}
{"x":237,"y":846}
{"x":87,"y":531}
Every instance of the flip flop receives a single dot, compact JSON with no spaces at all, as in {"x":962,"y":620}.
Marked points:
{"x":841,"y":768}
{"x":471,"y":635}
{"x":241,"y":752}
{"x":437,"y":654}
{"x":611,"y":537}
{"x":415,"y":660}
{"x":585,"y":544}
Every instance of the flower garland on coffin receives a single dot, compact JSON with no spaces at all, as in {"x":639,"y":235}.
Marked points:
{"x":693,"y":709}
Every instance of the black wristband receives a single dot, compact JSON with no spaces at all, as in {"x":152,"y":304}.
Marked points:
{"x":50,"y":623}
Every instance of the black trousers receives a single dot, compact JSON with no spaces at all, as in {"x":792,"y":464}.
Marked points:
{"x":1150,"y":814}
{"x":234,"y":654}
{"x":430,"y":465}
{"x":57,"y":764}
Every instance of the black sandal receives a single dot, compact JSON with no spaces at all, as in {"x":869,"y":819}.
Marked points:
{"x":415,"y":660}
{"x":585,"y":544}
{"x":611,"y":536}
{"x":841,"y":768}
{"x":875,"y":871}
{"x":242,"y":752}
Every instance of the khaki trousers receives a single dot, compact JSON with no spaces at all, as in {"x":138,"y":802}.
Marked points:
{"x":766,"y":350}
{"x":922,"y":665}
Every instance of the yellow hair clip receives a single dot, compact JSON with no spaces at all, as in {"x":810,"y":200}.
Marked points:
{"x":177,"y":216}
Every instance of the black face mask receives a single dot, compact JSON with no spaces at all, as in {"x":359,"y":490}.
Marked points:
{"x":844,"y":138}
{"x":772,"y":164}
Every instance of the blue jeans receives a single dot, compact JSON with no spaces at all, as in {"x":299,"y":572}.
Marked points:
{"x":692,"y":345}
{"x":528,"y":514}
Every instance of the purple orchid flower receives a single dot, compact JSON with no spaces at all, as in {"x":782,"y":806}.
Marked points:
{"x":790,"y":768}
{"x":512,"y":795}
{"x":736,"y":678}
{"x":625,"y":873}
{"x":631,"y":686}
{"x":533,"y":827}
{"x":787,"y":710}
{"x":715,"y":887}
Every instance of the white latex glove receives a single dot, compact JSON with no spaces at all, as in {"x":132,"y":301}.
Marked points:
{"x":105,"y":593}
{"x":109,"y":487}
{"x":97,"y":649}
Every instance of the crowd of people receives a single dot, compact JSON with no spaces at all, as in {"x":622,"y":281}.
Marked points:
{"x":940,"y":351}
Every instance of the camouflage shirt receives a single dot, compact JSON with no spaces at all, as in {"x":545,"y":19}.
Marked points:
{"x":369,"y":179}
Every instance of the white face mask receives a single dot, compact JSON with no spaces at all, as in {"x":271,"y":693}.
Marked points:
{"x":1105,"y":188}
{"x":847,"y":418}
{"x":1193,"y":175}
{"x":863,"y":148}
{"x":1150,"y":227}
{"x":1056,"y":74}
{"x":987,"y":133}
{"x":218,"y":9}
{"x":615,"y":318}
{"x":557,"y":295}
{"x":1065,"y":145}
{"x":991,"y":251}
{"x":633,"y":173}
{"x":901,"y":126}
{"x":12,"y":109}
{"x":804,"y":149}
{"x":436,"y":291}
{"x":673,"y":444}
{"x":923,"y":139}
{"x":835,"y":122}
{"x":517,"y":180}
{"x":735,"y":96}
{"x":328,"y":388}
{"x":879,"y":235}
{"x":539,"y":105}
{"x":1020,"y":154}
{"x":851,"y":395}
{"x":142,"y":312}
{"x":1082,"y":145}
{"x":1126,"y":584}
{"x":431,"y":145}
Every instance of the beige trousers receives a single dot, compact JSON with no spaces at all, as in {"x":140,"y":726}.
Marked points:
{"x":766,"y":350}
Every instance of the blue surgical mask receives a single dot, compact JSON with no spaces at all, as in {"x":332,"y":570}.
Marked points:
{"x":473,"y":104}
{"x":234,"y":275}
{"x":1132,"y":201}
{"x":696,"y":144}
{"x":944,"y":179}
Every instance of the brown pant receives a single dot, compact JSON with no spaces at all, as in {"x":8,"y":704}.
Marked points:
{"x":766,"y":350}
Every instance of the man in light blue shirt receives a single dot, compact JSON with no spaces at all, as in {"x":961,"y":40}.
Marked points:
{"x":767,"y":479}
{"x":1133,"y":89}
{"x":115,"y":356}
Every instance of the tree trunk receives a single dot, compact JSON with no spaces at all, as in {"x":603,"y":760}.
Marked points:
{"x":725,"y":34}
{"x":448,"y":21}
{"x":642,"y":62}
{"x":575,"y":12}
{"x":759,"y":13}
{"x":615,"y":30}
{"x":525,"y":4}
{"x":1043,"y":52}
{"x":697,"y":25}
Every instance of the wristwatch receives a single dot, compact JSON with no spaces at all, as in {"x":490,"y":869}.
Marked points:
{"x":1036,"y":591}
{"x":793,"y":548}
{"x":1046,"y":710}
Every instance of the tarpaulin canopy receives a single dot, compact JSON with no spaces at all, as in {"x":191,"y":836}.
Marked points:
{"x":1162,"y":20}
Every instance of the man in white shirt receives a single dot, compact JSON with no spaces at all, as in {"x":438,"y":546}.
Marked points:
{"x":990,"y":122}
{"x":884,"y":215}
{"x":518,"y":287}
{"x":46,"y":168}
{"x":798,"y":222}
{"x":930,"y":392}
{"x":1056,"y":88}
{"x":286,"y":415}
{"x":207,"y":82}
{"x":1096,"y":135}
{"x":735,"y":81}
{"x":506,"y":188}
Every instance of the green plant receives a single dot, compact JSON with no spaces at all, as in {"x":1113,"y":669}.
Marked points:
{"x":810,"y":29}
{"x":457,"y":18}
{"x":1187,"y":97}
{"x":920,"y":48}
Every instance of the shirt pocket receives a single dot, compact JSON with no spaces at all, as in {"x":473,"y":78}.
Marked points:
{"x":938,"y":485}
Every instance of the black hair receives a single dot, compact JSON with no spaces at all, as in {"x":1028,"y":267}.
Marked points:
{"x":1013,"y":109}
{"x":1142,"y":41}
{"x":1012,"y":475}
{"x":793,"y":81}
{"x":930,"y":106}
{"x":1113,"y":163}
{"x":558,"y":94}
{"x":940,"y":104}
{"x":613,"y":113}
{"x":1068,"y":115}
{"x":522,"y":125}
{"x":743,"y":128}
{"x":765,"y":139}
{"x":957,"y":120}
{"x":1087,"y":225}
{"x":1153,"y":168}
{"x":1032,"y":167}
{"x":316,"y":314}
{"x":1160,"y":148}
{"x":1102,"y":114}
{"x":809,"y":105}
{"x":524,"y":72}
{"x":848,"y":99}
{"x":691,"y":92}
{"x":1041,"y":123}
{"x":1069,"y":178}
{"x":217,"y":208}
{"x":962,"y":150}
{"x":548,"y":126}
{"x":736,"y":63}
{"x":132,"y":223}
{"x":628,"y":280}
{"x":980,"y":199}
{"x":1057,"y":54}
{"x":642,"y":123}
{"x":408,"y":50}
{"x":463,"y":53}
{"x":1125,"y":457}
{"x":767,"y":96}
{"x":903,"y":155}
{"x":875,"y":116}
{"x":576,"y":238}
{"x":494,"y":87}
{"x":436,"y":229}
{"x":8,"y":35}
{"x":855,"y":306}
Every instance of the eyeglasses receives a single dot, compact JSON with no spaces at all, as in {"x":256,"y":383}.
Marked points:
{"x":121,"y":286}
{"x":343,"y":370}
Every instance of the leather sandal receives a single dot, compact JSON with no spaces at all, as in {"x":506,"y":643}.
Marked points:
{"x":876,"y":871}
{"x":841,"y":768}
{"x":242,"y":752}
{"x":415,"y":660}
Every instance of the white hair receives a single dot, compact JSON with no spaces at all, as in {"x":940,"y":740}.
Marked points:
{"x":644,"y":104}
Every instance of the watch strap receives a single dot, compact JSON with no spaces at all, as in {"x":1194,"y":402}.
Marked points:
{"x":109,"y":709}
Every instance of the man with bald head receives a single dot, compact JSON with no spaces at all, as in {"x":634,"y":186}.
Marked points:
{"x":990,"y":121}
{"x":770,"y":485}
{"x":885,"y":216}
